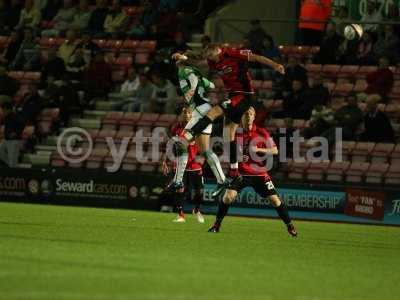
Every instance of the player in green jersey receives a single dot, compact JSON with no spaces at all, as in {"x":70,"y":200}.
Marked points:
{"x":194,"y":87}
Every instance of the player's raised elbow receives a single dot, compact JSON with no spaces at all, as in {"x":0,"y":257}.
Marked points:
{"x":274,"y":151}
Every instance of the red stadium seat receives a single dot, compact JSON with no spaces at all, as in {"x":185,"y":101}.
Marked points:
{"x":148,"y":119}
{"x":348,"y":71}
{"x":395,"y":156}
{"x":343,"y":89}
{"x":361,"y":151}
{"x":360,"y":86}
{"x":166,"y":120}
{"x":365,"y":70}
{"x":297,"y":170}
{"x":130,"y":44}
{"x":356,"y":172}
{"x":376,"y":173}
{"x":130,"y":118}
{"x":330,"y":70}
{"x":313,"y":68}
{"x":336,"y":171}
{"x":316,"y":171}
{"x":346,"y":150}
{"x":382,"y":152}
{"x":392,"y":177}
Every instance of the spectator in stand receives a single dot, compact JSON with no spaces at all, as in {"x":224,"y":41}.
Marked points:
{"x":4,"y":29}
{"x":30,"y":16}
{"x":348,"y":118}
{"x":329,"y":46}
{"x":372,"y":15}
{"x":82,"y":16}
{"x":62,"y":20}
{"x":14,"y":14}
{"x":99,"y":15}
{"x":256,"y":37}
{"x":318,"y":11}
{"x":67,"y":100}
{"x":11,"y":50}
{"x":387,"y":44}
{"x":127,"y":93}
{"x":98,"y":77}
{"x":321,"y":120}
{"x":31,"y":105}
{"x":381,"y":81}
{"x":77,"y":65}
{"x":164,"y":98}
{"x":54,"y":66}
{"x":90,"y":48}
{"x":147,"y":20}
{"x":50,"y":9}
{"x":68,"y":48}
{"x":14,"y":126}
{"x":294,"y":71}
{"x":28,"y":55}
{"x":318,"y":94}
{"x":116,"y":21}
{"x":378,"y":128}
{"x":8,"y":86}
{"x":269,"y":49}
{"x":365,"y":55}
{"x":143,"y":95}
{"x":295,"y":101}
{"x":342,"y":19}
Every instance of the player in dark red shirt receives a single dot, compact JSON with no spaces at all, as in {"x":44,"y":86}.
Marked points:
{"x":256,"y":144}
{"x":231,"y":65}
{"x":193,"y":176}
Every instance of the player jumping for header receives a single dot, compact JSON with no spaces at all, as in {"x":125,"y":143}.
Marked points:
{"x":255,"y":141}
{"x":231,"y":65}
{"x":194,"y":87}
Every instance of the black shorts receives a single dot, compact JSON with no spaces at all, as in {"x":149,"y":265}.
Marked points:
{"x":193,"y":180}
{"x":264,"y":187}
{"x":236,"y":106}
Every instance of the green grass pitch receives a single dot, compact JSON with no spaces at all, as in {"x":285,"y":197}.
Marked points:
{"x":55,"y":252}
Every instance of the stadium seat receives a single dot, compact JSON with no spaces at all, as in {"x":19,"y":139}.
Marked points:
{"x":346,"y":149}
{"x":361,"y":151}
{"x":130,"y":44}
{"x":356,"y":172}
{"x":395,"y":156}
{"x":142,"y":58}
{"x":123,"y":134}
{"x":348,"y":71}
{"x":330,"y":85}
{"x":382,"y":152}
{"x":360,"y":86}
{"x":111,"y":120}
{"x":130,"y":118}
{"x":166,"y":120}
{"x":29,"y":77}
{"x":365,"y":70}
{"x":376,"y":173}
{"x":343,"y":89}
{"x":330,"y":70}
{"x":313,"y":68}
{"x":148,"y":119}
{"x":104,"y":134}
{"x":297,"y":170}
{"x":316,"y":171}
{"x":336,"y":171}
{"x":392,"y":177}
{"x":57,"y":161}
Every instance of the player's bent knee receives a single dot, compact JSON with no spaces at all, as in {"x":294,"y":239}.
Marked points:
{"x":275,"y":200}
{"x":229,"y":196}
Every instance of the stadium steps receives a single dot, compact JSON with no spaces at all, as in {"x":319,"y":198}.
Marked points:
{"x":105,"y":105}
{"x":94,"y":114}
{"x":24,"y":166}
{"x":86,"y":123}
{"x":44,"y":147}
{"x":42,"y":159}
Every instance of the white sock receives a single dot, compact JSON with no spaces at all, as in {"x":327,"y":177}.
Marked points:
{"x":215,"y":165}
{"x":181,"y":162}
{"x":235,"y":165}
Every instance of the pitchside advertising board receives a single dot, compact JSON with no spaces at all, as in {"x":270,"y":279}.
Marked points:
{"x":142,"y":191}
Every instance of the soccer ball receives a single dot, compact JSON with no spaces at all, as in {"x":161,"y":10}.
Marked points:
{"x":353,"y":31}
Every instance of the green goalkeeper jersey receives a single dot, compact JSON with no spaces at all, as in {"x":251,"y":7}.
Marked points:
{"x":190,"y":78}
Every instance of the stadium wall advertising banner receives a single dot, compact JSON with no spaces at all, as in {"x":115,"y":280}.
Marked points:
{"x":346,"y":205}
{"x":141,"y":191}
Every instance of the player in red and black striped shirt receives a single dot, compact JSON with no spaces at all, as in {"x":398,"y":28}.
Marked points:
{"x":256,"y":142}
{"x":231,"y":65}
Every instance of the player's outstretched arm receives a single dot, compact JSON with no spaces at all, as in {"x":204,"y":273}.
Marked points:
{"x":272,"y":150}
{"x":266,"y":61}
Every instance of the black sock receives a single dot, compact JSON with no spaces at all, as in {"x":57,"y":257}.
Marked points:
{"x":232,"y":152}
{"x":198,"y":199}
{"x":200,"y":126}
{"x":283,"y":213}
{"x":179,"y":197}
{"x":221,"y":213}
